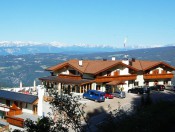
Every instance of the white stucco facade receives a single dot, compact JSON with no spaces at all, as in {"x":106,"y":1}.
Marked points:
{"x":140,"y":80}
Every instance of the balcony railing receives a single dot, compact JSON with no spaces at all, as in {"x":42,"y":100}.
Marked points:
{"x":158,"y":76}
{"x":15,"y":121}
{"x":119,"y":77}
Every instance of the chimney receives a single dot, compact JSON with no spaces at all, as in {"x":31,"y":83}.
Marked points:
{"x":34,"y":85}
{"x":20,"y":85}
{"x":133,"y":59}
{"x":80,"y":62}
{"x":40,"y":100}
{"x":125,"y":60}
{"x":113,"y":58}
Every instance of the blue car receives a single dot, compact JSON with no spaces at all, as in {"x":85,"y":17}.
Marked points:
{"x":98,"y":96}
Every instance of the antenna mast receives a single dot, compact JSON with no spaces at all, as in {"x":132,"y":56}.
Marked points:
{"x":125,"y":56}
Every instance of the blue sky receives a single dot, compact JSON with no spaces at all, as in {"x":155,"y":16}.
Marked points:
{"x":143,"y":22}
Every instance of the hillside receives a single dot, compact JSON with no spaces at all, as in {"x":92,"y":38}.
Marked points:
{"x":29,"y":67}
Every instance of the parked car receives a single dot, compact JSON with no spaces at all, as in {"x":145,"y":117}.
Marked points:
{"x":169,"y":87}
{"x":119,"y":94}
{"x":146,"y":89}
{"x":109,"y":95}
{"x":98,"y":96}
{"x":158,"y":87}
{"x":139,"y":90}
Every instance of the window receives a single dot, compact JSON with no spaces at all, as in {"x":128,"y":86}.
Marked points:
{"x":146,"y":83}
{"x":155,"y":82}
{"x":20,"y":105}
{"x":26,"y":105}
{"x":97,"y":87}
{"x":8,"y":103}
{"x":96,"y":94}
{"x":100,"y":74}
{"x":108,"y":73}
{"x":72,"y":72}
{"x":16,"y":103}
{"x":165,"y":82}
{"x":91,"y":93}
{"x":136,"y":83}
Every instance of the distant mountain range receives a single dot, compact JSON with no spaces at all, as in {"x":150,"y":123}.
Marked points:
{"x":20,"y":48}
{"x":14,"y":50}
{"x":29,"y":66}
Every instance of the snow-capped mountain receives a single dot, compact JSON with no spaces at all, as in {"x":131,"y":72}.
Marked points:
{"x":54,"y":43}
{"x":19,"y":47}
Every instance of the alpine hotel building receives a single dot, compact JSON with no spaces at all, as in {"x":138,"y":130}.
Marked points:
{"x":81,"y":75}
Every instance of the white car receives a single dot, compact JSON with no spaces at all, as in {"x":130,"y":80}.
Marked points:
{"x":172,"y":88}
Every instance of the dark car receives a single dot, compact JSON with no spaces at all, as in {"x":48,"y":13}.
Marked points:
{"x":158,"y":87}
{"x":146,"y":89}
{"x":109,"y":95}
{"x":95,"y":95}
{"x":139,"y":90}
{"x":119,"y":94}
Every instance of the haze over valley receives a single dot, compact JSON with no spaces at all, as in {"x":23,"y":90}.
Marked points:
{"x":26,"y":66}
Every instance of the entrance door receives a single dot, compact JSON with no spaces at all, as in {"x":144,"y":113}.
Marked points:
{"x":35,"y":109}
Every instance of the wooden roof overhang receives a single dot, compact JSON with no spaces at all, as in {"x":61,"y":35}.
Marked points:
{"x":116,"y":78}
{"x":35,"y":102}
{"x":158,"y":76}
{"x":158,"y":64}
{"x":55,"y":68}
{"x":57,"y":79}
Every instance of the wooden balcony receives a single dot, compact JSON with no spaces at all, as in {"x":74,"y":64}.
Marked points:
{"x":158,"y":76}
{"x":15,"y":121}
{"x":113,"y":78}
{"x":14,"y":110}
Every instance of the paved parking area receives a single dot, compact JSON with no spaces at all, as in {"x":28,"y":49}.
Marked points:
{"x":131,"y":99}
{"x":110,"y":104}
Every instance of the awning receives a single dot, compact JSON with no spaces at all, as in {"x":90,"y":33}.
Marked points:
{"x":116,"y":83}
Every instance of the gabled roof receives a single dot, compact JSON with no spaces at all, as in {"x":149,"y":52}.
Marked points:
{"x":15,"y":96}
{"x":146,"y":65}
{"x":90,"y":66}
{"x":97,"y":66}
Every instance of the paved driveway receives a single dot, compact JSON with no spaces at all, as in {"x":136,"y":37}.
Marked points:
{"x":99,"y":111}
{"x":110,"y":104}
{"x":131,"y":99}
